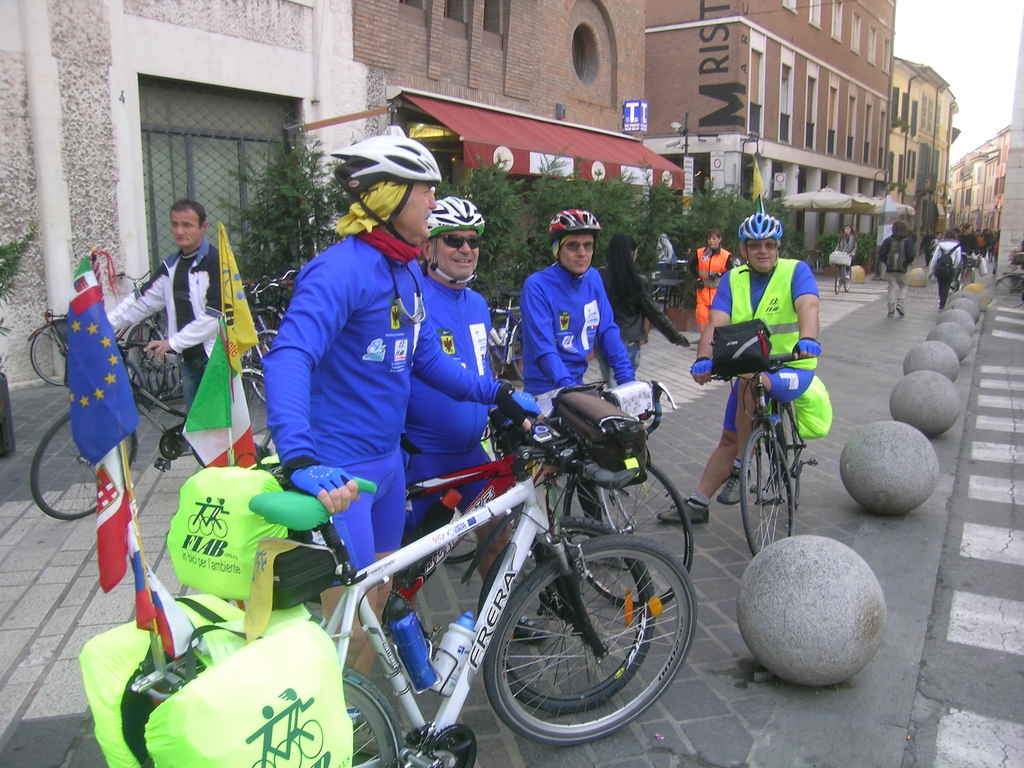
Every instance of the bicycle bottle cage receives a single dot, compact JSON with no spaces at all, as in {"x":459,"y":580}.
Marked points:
{"x":613,"y":439}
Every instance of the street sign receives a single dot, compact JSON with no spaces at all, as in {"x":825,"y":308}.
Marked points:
{"x":718,"y":169}
{"x":634,"y":116}
{"x":688,"y":181}
{"x":780,"y":179}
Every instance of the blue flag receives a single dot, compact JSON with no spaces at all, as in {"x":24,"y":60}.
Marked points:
{"x":102,"y":405}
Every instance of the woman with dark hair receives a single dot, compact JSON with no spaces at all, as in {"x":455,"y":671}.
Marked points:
{"x":631,"y":301}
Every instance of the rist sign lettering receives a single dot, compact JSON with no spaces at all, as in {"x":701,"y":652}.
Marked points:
{"x":715,"y":64}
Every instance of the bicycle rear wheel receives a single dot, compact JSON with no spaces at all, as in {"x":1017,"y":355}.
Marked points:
{"x":376,"y":739}
{"x":62,"y":481}
{"x":551,"y":686}
{"x":48,"y":353}
{"x":766,"y":500}
{"x":635,"y":509}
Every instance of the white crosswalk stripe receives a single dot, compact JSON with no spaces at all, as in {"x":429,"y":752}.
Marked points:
{"x":994,"y":401}
{"x":1012,"y":386}
{"x":982,"y":621}
{"x":998,"y":452}
{"x":1007,"y":335}
{"x":1013,"y":310}
{"x":969,"y":740}
{"x":987,"y":542}
{"x":1010,"y":320}
{"x":1003,"y":369}
{"x":999,"y":424}
{"x":996,"y":489}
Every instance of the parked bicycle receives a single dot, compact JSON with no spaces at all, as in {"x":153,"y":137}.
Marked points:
{"x":612,"y":618}
{"x":63,"y":482}
{"x":505,"y":342}
{"x":771,"y":466}
{"x":268,"y":301}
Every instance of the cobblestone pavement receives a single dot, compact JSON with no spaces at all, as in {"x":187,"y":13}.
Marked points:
{"x":715,"y":713}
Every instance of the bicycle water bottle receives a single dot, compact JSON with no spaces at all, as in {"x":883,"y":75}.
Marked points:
{"x":404,"y":626}
{"x":453,"y":652}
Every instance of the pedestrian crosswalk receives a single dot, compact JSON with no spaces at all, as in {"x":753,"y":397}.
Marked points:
{"x":989,"y":622}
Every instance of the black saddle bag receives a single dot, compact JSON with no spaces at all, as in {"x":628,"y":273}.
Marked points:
{"x":741,"y":348}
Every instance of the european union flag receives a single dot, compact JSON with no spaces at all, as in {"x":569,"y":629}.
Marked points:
{"x":102,"y":405}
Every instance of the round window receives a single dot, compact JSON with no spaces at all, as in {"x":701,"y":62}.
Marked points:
{"x":584,"y":53}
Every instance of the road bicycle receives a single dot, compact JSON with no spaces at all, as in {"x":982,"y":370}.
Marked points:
{"x":63,"y":482}
{"x":48,"y":349}
{"x":612,"y":618}
{"x":588,"y":509}
{"x":505,"y":342}
{"x":967,"y":273}
{"x":771,"y":465}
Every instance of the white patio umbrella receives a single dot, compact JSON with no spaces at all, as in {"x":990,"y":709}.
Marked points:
{"x":831,"y":201}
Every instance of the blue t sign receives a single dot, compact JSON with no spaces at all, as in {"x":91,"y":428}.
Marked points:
{"x":634,"y":116}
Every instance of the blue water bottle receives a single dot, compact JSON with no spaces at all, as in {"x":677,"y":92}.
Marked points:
{"x":404,"y":626}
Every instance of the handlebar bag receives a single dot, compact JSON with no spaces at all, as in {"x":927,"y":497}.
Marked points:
{"x":213,"y":536}
{"x":741,"y":348}
{"x":613,"y":439}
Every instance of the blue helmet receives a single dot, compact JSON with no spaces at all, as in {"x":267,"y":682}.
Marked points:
{"x":760,"y":226}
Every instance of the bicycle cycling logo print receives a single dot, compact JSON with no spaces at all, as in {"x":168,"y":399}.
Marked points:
{"x":288,"y":740}
{"x":206,"y":543}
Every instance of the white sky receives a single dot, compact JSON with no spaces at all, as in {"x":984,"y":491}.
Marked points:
{"x":973,"y":45}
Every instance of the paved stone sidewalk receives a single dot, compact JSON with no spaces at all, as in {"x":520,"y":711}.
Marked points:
{"x":714,"y":714}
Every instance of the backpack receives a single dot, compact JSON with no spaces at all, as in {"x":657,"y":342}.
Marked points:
{"x":944,"y":268}
{"x":897,"y":258}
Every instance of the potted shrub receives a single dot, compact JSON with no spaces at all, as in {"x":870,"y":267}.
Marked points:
{"x":10,"y":263}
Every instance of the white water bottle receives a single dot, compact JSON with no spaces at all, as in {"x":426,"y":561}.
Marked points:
{"x":452,"y":653}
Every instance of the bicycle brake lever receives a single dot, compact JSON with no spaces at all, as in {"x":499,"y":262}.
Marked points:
{"x":659,"y":390}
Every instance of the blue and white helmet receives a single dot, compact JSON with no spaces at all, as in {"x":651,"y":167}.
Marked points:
{"x":454,"y":213}
{"x":760,"y":226}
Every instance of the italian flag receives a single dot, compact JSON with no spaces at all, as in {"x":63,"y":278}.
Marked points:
{"x":218,"y":425}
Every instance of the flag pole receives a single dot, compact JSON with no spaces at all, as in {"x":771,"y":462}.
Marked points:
{"x":223,"y":330}
{"x":156,"y":645}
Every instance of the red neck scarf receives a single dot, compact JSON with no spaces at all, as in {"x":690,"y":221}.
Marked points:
{"x":389,"y":245}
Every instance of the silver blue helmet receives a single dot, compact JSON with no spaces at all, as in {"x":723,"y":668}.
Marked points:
{"x":760,"y":226}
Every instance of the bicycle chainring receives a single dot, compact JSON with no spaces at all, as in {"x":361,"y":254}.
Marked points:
{"x":173,"y":444}
{"x":452,"y":747}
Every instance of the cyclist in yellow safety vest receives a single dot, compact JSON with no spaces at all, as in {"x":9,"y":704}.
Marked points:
{"x":784,"y":294}
{"x":712,"y":262}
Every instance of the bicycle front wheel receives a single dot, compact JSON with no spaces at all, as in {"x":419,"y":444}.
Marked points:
{"x":635,"y":509}
{"x":62,"y":481}
{"x":766,"y":500}
{"x":550,"y":685}
{"x":376,"y":739}
{"x":48,"y":355}
{"x":847,"y":279}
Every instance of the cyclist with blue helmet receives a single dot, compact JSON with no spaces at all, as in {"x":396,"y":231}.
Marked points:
{"x":782,"y":293}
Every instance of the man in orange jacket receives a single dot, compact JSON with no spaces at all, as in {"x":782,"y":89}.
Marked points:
{"x":712,"y":262}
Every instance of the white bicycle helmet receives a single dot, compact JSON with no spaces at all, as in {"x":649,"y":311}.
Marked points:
{"x":384,"y":158}
{"x":454,"y":213}
{"x":760,"y":226}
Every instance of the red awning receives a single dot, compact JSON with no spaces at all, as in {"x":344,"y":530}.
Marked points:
{"x":525,"y":145}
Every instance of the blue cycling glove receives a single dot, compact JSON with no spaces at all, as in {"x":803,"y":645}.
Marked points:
{"x":319,"y":477}
{"x":516,"y":406}
{"x":701,"y":366}
{"x":807,"y":347}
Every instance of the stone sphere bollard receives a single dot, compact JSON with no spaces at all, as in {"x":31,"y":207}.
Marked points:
{"x":967,"y":305}
{"x":958,"y":316}
{"x":983,"y":294}
{"x":926,"y":400}
{"x":952,"y":334}
{"x":811,"y":610}
{"x":932,"y":356}
{"x":917,"y":278}
{"x":966,"y":294}
{"x":857,"y":274}
{"x":889,"y":467}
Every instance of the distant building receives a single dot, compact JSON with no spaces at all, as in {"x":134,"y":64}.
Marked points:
{"x":803,"y":84}
{"x":922,"y":109}
{"x":978,"y":181}
{"x":1012,"y":224}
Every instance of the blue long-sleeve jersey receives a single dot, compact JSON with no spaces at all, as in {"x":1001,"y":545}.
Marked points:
{"x":435,"y":422}
{"x":337,"y":377}
{"x":563,"y":317}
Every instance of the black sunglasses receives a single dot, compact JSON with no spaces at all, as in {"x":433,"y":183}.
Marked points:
{"x":456,"y":241}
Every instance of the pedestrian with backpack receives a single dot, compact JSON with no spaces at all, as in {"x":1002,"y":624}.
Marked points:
{"x":946,"y":261}
{"x":897,"y":251}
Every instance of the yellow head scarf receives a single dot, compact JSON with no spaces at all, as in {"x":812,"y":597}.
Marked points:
{"x":382,"y":198}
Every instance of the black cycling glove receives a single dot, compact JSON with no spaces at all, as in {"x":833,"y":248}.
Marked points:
{"x":512,"y":406}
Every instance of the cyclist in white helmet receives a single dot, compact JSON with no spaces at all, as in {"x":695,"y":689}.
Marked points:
{"x":784,"y":294}
{"x":338,"y":376}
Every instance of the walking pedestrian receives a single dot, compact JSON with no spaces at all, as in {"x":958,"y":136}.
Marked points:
{"x":945,"y":264}
{"x":897,"y":251}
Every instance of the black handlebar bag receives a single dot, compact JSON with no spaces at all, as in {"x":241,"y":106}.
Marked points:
{"x":741,"y":348}
{"x":613,"y":439}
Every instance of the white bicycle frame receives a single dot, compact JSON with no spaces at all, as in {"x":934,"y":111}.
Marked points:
{"x":533,"y":522}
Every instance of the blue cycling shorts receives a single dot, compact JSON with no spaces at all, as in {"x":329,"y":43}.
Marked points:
{"x":374,"y":523}
{"x":787,"y":384}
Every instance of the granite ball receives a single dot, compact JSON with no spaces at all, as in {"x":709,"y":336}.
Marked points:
{"x":932,"y":356}
{"x":958,"y":316}
{"x":983,"y":294}
{"x":889,"y":467}
{"x":967,"y":305}
{"x":811,"y":610}
{"x":966,"y":294}
{"x":958,"y":338}
{"x":926,"y":400}
{"x":917,"y":278}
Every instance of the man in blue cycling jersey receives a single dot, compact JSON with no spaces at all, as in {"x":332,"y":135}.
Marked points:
{"x":444,"y":433}
{"x":782,"y":293}
{"x":338,"y":375}
{"x":566,"y":312}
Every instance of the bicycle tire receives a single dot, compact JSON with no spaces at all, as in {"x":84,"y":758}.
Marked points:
{"x":256,"y":402}
{"x":792,"y":446}
{"x":635,"y":508}
{"x":838,"y":280}
{"x":253,"y":357}
{"x":1011,"y":282}
{"x":847,"y":279}
{"x":62,"y":481}
{"x":514,"y":353}
{"x":553,"y":689}
{"x":376,"y":737}
{"x":49,"y":355}
{"x":765,"y":492}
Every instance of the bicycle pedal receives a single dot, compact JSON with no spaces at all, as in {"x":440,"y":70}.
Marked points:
{"x":162,"y":464}
{"x":811,"y":462}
